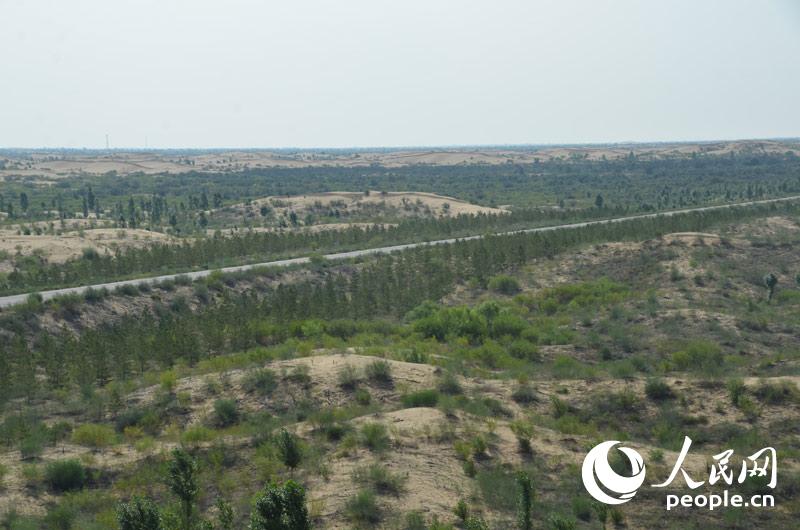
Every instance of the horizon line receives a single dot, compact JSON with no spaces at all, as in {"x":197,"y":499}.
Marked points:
{"x":414,"y":147}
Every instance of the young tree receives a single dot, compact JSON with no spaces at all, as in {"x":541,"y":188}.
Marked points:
{"x":524,"y":505}
{"x":770,"y":280}
{"x":224,"y":514}
{"x":183,"y":483}
{"x":139,"y":514}
{"x":281,"y":508}
{"x":598,"y":201}
{"x":289,"y":448}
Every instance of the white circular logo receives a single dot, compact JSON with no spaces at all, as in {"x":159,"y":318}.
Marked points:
{"x":597,"y":469}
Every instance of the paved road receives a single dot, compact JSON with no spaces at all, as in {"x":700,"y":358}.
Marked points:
{"x":7,"y":301}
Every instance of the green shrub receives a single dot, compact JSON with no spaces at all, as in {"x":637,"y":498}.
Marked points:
{"x":139,"y":514}
{"x":65,"y":475}
{"x":379,"y":372}
{"x":504,"y":284}
{"x":61,"y":516}
{"x":699,"y":356}
{"x":415,"y":521}
{"x":523,"y":349}
{"x":94,"y":435}
{"x":582,"y":508}
{"x":261,"y":381}
{"x":658,"y":390}
{"x":559,"y":522}
{"x":461,"y":510}
{"x":363,"y":397}
{"x":280,"y":507}
{"x":479,"y":446}
{"x":363,"y":508}
{"x":524,"y":394}
{"x":736,"y":390}
{"x":380,"y":479}
{"x":289,"y":448}
{"x":226,"y":412}
{"x":348,"y":377}
{"x":448,"y":384}
{"x":779,"y":393}
{"x":196,"y":434}
{"x":375,"y":437}
{"x":507,"y":325}
{"x":475,"y":523}
{"x":421,"y":398}
{"x":524,"y":432}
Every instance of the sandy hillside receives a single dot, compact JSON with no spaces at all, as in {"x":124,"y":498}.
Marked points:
{"x":60,"y":248}
{"x":410,"y":202}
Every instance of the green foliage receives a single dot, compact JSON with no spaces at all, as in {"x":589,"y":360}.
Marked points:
{"x":225,"y":515}
{"x":778,"y":393}
{"x":504,"y":284}
{"x":524,"y":350}
{"x":448,"y":384}
{"x":261,"y":381}
{"x":141,"y":513}
{"x":461,"y":510}
{"x":380,"y":479}
{"x":289,"y":448}
{"x":559,"y":522}
{"x":281,"y":508}
{"x":363,"y":509}
{"x":658,"y":390}
{"x":699,"y":355}
{"x":65,"y":475}
{"x":525,"y":502}
{"x":475,"y":523}
{"x":94,"y":435}
{"x":182,"y":481}
{"x":379,"y":372}
{"x":226,"y":412}
{"x":348,"y":377}
{"x":524,"y":394}
{"x":421,"y":398}
{"x":375,"y":437}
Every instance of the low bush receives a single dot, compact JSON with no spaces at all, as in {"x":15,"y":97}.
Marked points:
{"x":504,"y":284}
{"x":779,"y":393}
{"x":348,"y":377}
{"x":658,"y":390}
{"x":421,"y":398}
{"x":363,"y":508}
{"x":379,"y":372}
{"x":260,"y":381}
{"x":94,"y":435}
{"x":375,"y":437}
{"x":380,"y":479}
{"x":524,"y":394}
{"x":226,"y":412}
{"x":65,"y":475}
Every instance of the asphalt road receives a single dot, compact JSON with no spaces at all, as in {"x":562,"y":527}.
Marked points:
{"x":7,"y":301}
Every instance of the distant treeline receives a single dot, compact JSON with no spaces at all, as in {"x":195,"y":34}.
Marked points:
{"x":634,"y":183}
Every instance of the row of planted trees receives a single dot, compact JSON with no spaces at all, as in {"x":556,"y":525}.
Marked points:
{"x":385,"y":287}
{"x":251,"y":246}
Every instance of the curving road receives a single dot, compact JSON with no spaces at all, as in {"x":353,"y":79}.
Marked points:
{"x":7,"y":301}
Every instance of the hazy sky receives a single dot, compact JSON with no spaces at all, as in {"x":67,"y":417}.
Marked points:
{"x":390,"y":73}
